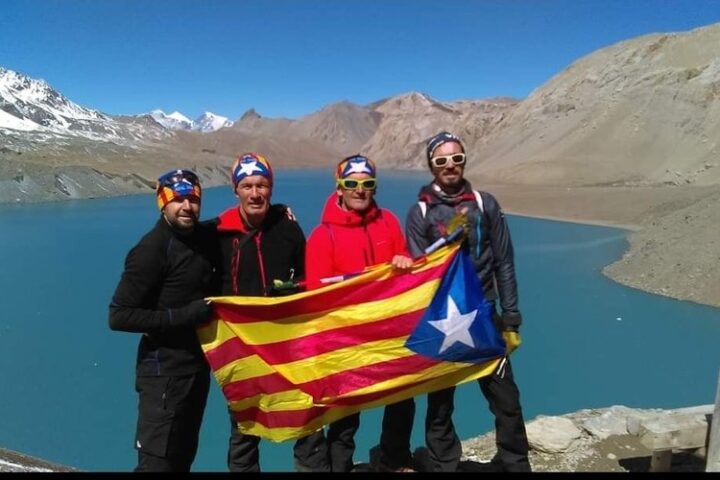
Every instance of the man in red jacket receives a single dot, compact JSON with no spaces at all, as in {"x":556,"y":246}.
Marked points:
{"x":354,"y":233}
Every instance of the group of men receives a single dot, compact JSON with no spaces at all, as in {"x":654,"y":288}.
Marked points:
{"x":253,"y":247}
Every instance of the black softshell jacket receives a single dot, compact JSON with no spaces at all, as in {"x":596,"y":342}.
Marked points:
{"x":165,"y":271}
{"x":253,"y":258}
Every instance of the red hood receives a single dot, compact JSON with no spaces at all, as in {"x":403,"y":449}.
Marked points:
{"x":335,"y":215}
{"x":231,"y":221}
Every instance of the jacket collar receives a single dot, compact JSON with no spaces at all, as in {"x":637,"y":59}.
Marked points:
{"x":334,"y":214}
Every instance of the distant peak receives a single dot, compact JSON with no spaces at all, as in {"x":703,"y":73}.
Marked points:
{"x":250,"y":114}
{"x":418,"y":96}
{"x":179,"y":116}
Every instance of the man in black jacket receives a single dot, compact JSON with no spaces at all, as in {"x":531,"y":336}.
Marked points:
{"x":491,"y":249}
{"x":262,"y":246}
{"x":161,"y":295}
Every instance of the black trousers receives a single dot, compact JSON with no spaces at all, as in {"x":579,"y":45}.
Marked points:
{"x":170,"y":412}
{"x":503,"y":399}
{"x":394,"y":439}
{"x":397,"y":426}
{"x":310,"y":453}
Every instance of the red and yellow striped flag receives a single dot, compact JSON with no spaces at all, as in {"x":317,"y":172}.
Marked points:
{"x":289,"y":365}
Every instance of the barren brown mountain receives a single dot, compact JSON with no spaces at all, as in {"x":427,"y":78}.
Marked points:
{"x":409,"y":120}
{"x":627,"y":135}
{"x":642,"y":112}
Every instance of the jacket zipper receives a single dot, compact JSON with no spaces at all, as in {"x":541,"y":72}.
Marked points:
{"x":261,"y":264}
{"x":370,"y":245}
{"x":235,"y":265}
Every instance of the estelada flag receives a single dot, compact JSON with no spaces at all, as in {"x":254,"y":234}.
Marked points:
{"x":289,"y":365}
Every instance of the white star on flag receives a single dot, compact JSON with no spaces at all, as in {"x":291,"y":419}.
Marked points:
{"x":358,"y":167}
{"x":249,"y":168}
{"x":456,"y":327}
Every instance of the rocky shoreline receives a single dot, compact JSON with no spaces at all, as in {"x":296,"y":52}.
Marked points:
{"x":673,"y":230}
{"x":593,"y":440}
{"x":611,"y":439}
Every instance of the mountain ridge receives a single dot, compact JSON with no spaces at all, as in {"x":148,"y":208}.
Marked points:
{"x":622,"y":129}
{"x":643,"y":111}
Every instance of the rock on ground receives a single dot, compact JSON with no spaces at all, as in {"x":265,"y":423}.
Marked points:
{"x":602,"y":446}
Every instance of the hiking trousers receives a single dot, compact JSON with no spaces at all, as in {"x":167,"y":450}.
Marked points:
{"x":394,"y":439}
{"x":503,"y":398}
{"x":310,"y":453}
{"x":170,"y":411}
{"x":397,"y":426}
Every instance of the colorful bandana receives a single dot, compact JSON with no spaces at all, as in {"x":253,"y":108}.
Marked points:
{"x":249,"y":164}
{"x":355,"y":164}
{"x":177,"y":184}
{"x":439,"y":139}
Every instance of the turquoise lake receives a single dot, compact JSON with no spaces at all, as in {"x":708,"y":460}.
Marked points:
{"x":68,"y":381}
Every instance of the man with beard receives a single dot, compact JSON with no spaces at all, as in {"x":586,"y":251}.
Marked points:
{"x":261,"y":243}
{"x":490,"y":247}
{"x":161,"y":295}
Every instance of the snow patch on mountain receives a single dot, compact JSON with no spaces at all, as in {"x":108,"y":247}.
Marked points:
{"x":207,"y":122}
{"x":14,"y":123}
{"x":173,"y":121}
{"x":28,"y":104}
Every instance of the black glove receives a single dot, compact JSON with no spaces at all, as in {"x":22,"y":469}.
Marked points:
{"x":194,"y":313}
{"x":510,"y":321}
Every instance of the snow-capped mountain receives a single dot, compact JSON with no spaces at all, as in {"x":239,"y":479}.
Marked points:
{"x":207,"y":122}
{"x":28,"y":104}
{"x":173,"y":121}
{"x":32,"y":111}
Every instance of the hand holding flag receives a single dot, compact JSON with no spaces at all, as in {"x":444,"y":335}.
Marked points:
{"x":289,"y":365}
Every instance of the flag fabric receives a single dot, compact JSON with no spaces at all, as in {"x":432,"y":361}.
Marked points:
{"x":289,"y":365}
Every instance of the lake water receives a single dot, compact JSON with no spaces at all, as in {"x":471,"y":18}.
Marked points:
{"x":67,"y":380}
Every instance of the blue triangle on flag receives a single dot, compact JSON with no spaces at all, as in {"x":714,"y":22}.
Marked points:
{"x":458,"y":325}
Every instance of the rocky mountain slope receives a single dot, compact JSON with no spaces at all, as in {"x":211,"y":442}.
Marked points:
{"x":641,"y":114}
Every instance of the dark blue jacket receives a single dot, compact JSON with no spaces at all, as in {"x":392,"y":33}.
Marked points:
{"x":489,"y":243}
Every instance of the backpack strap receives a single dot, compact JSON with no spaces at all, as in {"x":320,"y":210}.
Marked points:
{"x":478,"y":199}
{"x":423,"y":208}
{"x":478,"y":223}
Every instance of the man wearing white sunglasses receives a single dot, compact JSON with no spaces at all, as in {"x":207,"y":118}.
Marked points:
{"x":446,"y":199}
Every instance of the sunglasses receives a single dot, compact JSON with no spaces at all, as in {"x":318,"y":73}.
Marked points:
{"x":353,"y":184}
{"x":183,"y":183}
{"x":442,"y":160}
{"x":175,"y":177}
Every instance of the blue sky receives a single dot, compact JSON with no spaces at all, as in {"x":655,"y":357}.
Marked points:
{"x":291,"y":57}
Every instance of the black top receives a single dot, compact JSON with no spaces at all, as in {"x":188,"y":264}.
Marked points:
{"x":253,"y":258}
{"x":165,"y":271}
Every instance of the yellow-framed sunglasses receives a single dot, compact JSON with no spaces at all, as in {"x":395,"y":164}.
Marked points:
{"x":354,"y":184}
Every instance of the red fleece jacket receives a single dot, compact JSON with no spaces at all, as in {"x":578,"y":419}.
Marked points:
{"x":347,"y":242}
